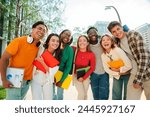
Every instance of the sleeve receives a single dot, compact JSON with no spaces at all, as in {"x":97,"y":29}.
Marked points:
{"x":127,"y":63}
{"x":67,"y":64}
{"x":92,"y":66}
{"x":106,"y":67}
{"x":40,"y":51}
{"x":13,"y":46}
{"x":143,"y":57}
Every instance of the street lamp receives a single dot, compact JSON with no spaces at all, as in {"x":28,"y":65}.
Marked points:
{"x":109,"y":7}
{"x":125,"y":27}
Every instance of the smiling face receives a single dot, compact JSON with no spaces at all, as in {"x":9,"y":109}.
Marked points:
{"x":118,"y":32}
{"x":92,"y":34}
{"x":106,"y":43}
{"x":53,"y":43}
{"x":82,"y":42}
{"x":38,"y":32}
{"x":66,"y":36}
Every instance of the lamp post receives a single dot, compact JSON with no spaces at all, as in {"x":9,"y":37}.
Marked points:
{"x":109,"y":7}
{"x":125,"y":27}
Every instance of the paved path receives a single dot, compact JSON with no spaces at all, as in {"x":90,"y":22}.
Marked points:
{"x":71,"y":93}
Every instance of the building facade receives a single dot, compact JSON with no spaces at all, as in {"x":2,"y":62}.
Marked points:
{"x":102,"y":27}
{"x":144,"y":30}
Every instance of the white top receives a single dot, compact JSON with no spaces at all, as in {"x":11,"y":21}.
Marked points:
{"x":116,"y":53}
{"x":39,"y":76}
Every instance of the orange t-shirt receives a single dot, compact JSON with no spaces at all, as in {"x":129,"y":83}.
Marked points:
{"x":23,"y":55}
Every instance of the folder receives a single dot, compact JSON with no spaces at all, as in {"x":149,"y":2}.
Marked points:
{"x":116,"y":63}
{"x":15,"y":76}
{"x":39,"y":66}
{"x":66,"y":82}
{"x":49,"y":60}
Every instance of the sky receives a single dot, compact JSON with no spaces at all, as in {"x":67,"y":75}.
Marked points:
{"x":82,"y":13}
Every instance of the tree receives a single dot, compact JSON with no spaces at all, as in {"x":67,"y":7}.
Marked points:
{"x":21,"y":14}
{"x":77,"y":32}
{"x":52,"y":13}
{"x":10,"y":19}
{"x":2,"y":13}
{"x":17,"y":16}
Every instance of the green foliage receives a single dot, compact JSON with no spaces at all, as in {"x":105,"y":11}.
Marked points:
{"x":77,"y":32}
{"x":2,"y":93}
{"x":19,"y":15}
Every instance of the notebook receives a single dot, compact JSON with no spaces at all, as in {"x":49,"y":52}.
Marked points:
{"x":15,"y":76}
{"x":58,"y":75}
{"x":82,"y":71}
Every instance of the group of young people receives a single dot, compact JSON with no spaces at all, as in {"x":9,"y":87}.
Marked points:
{"x":121,"y":56}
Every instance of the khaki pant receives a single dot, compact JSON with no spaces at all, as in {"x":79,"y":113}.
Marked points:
{"x":135,"y":94}
{"x":82,"y":88}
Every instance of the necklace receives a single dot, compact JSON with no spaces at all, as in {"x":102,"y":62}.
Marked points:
{"x":110,"y":57}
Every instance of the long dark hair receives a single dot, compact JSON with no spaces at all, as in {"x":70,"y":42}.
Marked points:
{"x":71,"y":40}
{"x":56,"y":52}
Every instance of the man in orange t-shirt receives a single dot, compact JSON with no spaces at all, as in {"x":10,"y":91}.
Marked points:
{"x":20,"y":53}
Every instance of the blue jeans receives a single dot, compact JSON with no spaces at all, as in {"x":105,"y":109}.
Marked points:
{"x":18,"y":93}
{"x":100,"y":86}
{"x":58,"y":95}
{"x":119,"y":87}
